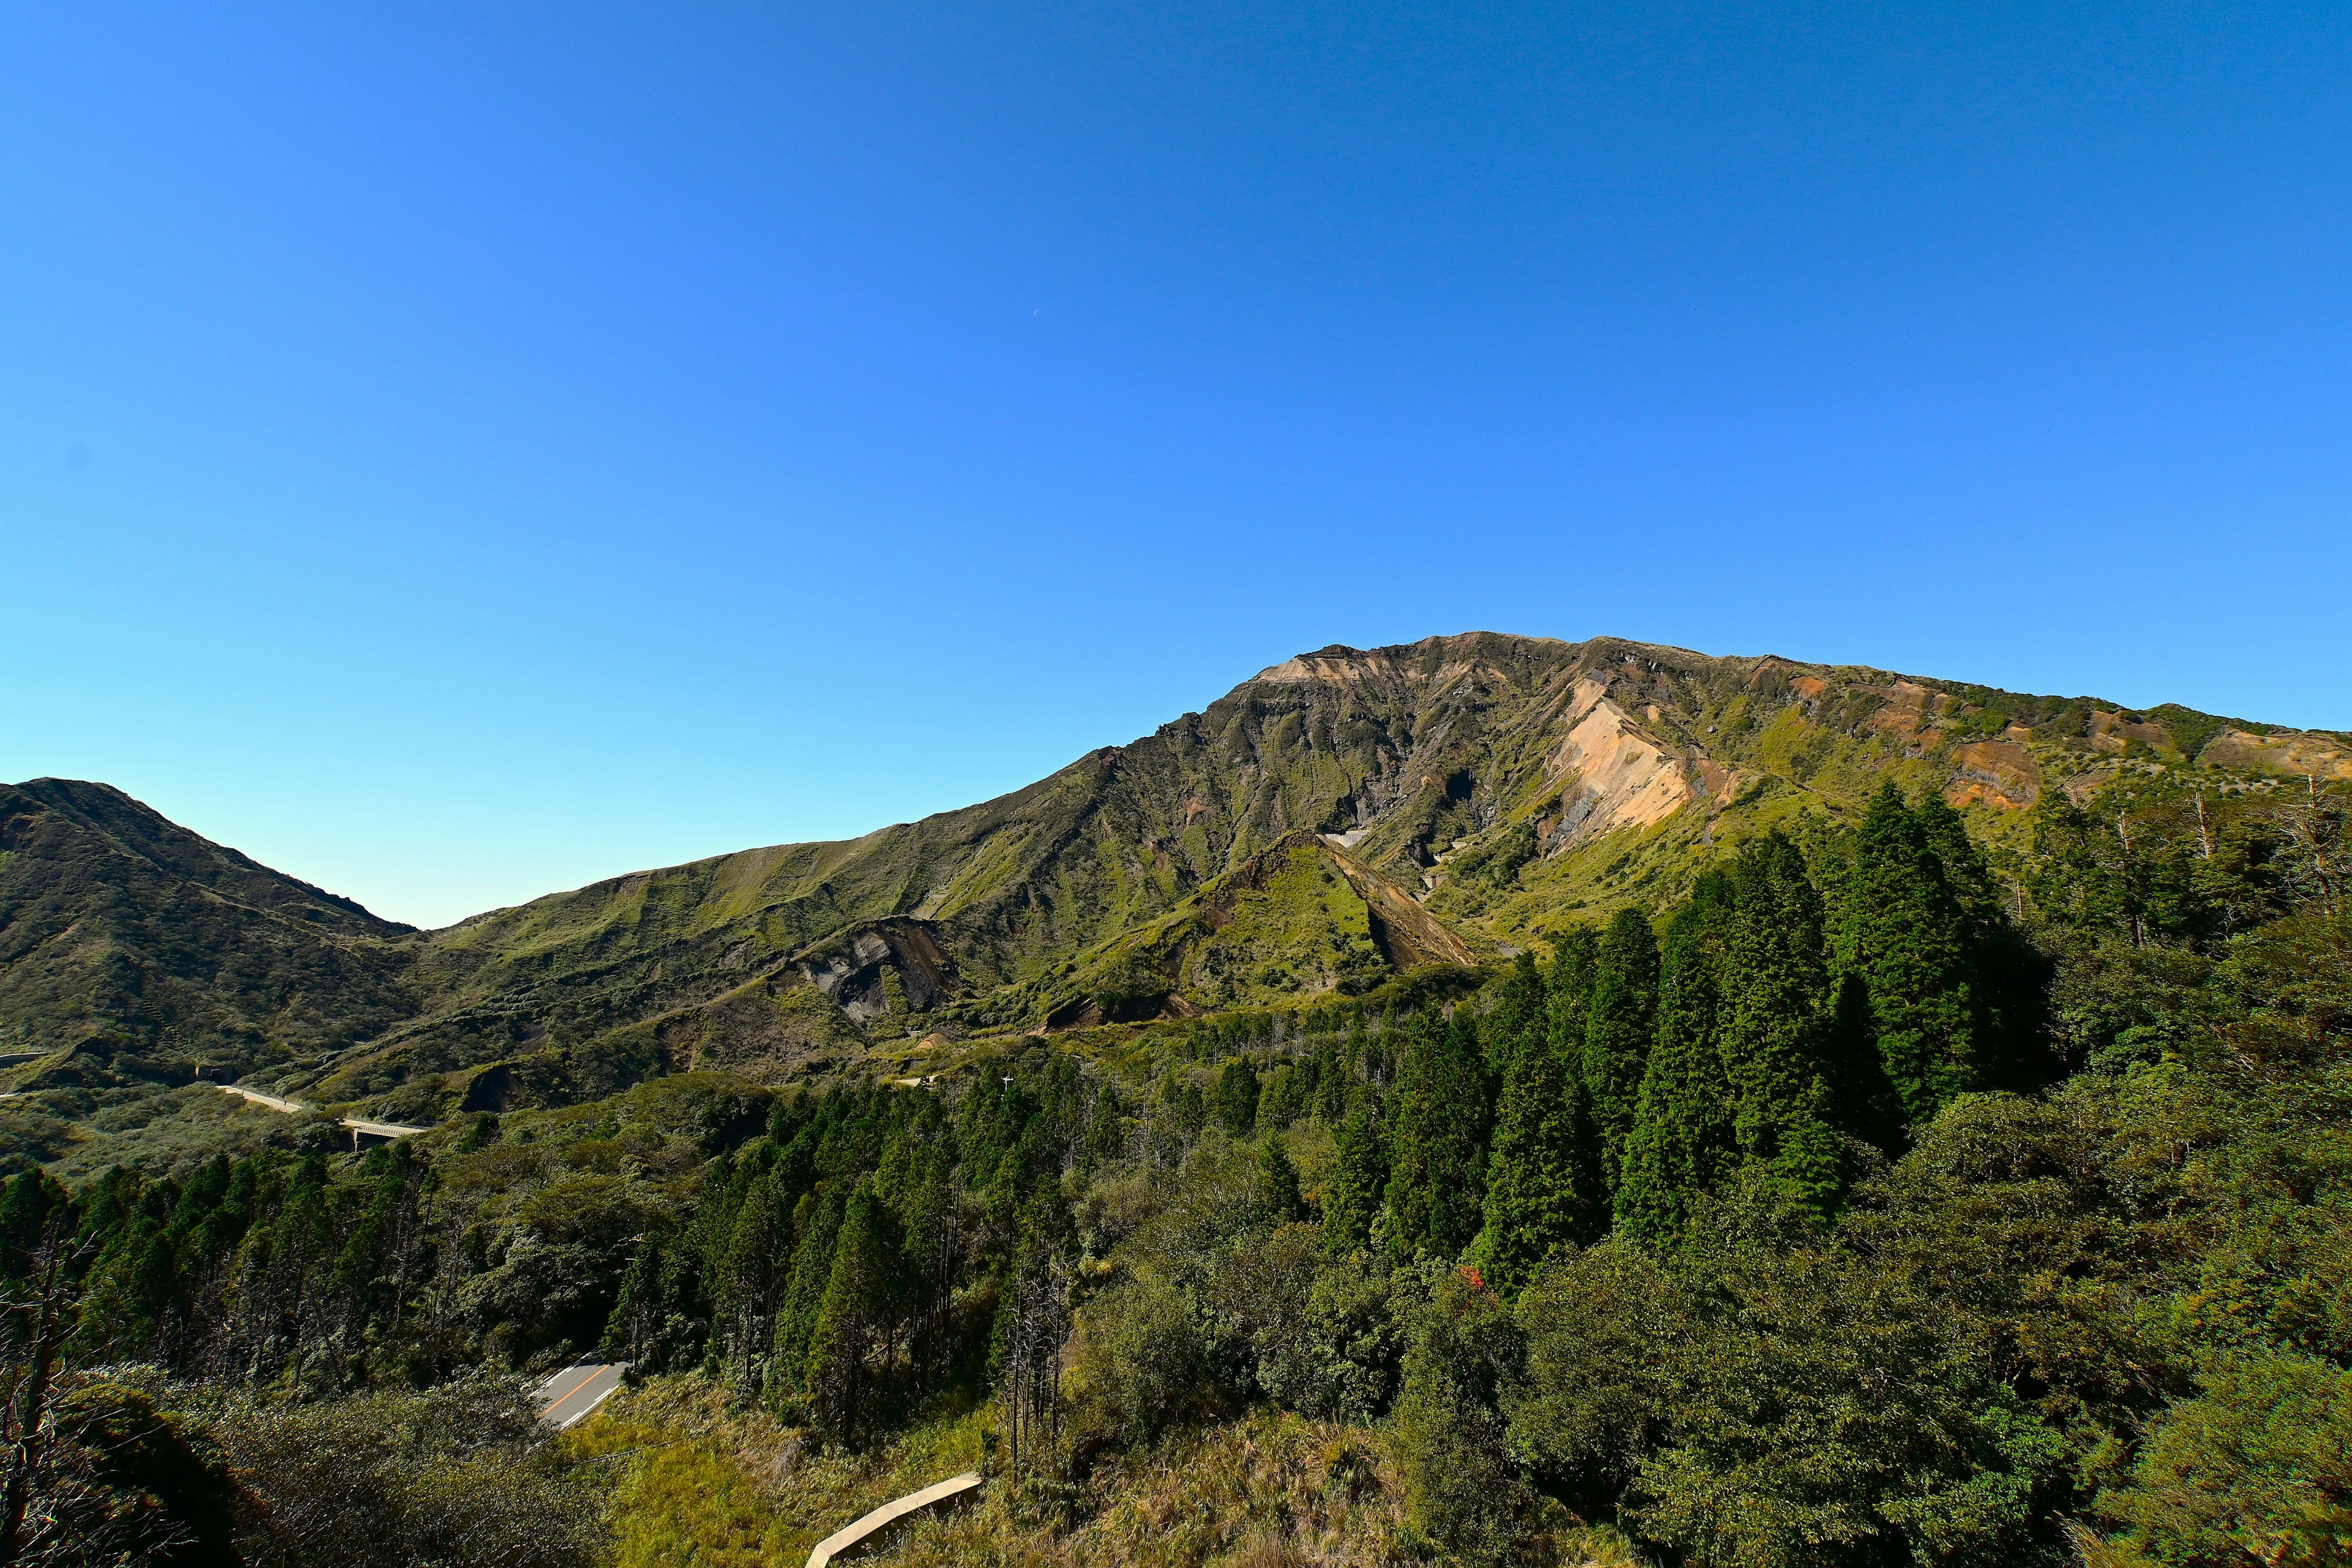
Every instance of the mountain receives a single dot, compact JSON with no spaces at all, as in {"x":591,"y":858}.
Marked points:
{"x":1340,"y":817}
{"x":130,"y":946}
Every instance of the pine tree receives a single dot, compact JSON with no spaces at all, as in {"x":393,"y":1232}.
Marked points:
{"x":1278,"y":1197}
{"x":1618,"y":1030}
{"x":1359,"y":1176}
{"x":816,"y":1221}
{"x":1436,"y":1184}
{"x":1810,"y":1168}
{"x":857,"y":1307}
{"x":1519,"y":1018}
{"x":752,"y":1282}
{"x":1568,"y":991}
{"x":2009,"y":977}
{"x":1237,"y":1096}
{"x":1905,"y":936}
{"x":1105,"y":1134}
{"x":1342,"y":1064}
{"x":1774,"y":1033}
{"x":1682,"y":1143}
{"x":1543,"y":1184}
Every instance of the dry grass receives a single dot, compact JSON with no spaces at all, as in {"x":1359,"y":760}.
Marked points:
{"x":730,"y":1484}
{"x":721,"y":1487}
{"x":1269,"y":1491}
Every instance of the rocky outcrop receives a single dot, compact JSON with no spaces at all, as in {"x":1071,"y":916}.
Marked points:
{"x":1993,"y":773}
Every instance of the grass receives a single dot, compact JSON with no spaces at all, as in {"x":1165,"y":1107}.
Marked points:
{"x":708,"y":1484}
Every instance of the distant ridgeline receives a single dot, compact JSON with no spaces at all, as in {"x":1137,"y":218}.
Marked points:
{"x":1345,"y":822}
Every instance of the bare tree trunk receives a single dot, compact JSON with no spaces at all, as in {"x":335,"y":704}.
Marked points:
{"x":27,"y":1428}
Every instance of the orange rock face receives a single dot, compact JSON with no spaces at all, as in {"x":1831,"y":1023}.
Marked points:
{"x":1996,"y":774}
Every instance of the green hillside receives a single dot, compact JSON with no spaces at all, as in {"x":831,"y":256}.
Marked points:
{"x":1487,"y":789}
{"x":131,"y":950}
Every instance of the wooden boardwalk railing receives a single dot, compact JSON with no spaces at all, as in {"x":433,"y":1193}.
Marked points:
{"x":843,"y":1541}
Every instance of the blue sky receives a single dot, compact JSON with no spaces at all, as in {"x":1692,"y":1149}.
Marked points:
{"x":454,"y":453}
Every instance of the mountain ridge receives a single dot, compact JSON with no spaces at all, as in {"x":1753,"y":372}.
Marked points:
{"x":1502,"y":787}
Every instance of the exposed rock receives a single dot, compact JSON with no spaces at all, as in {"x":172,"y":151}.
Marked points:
{"x":1994,"y":772}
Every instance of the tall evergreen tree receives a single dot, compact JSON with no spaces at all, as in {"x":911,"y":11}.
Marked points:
{"x":1278,"y":1197}
{"x":1437,"y":1178}
{"x":1618,"y":1030}
{"x":2011,"y":977}
{"x":1682,"y":1144}
{"x":1543,"y":1184}
{"x":1568,"y":990}
{"x":816,"y":1222}
{"x":1237,"y":1095}
{"x":1774,"y":1026}
{"x":858,"y":1308}
{"x":1905,"y":936}
{"x":1359,"y":1176}
{"x":1521,"y":1016}
{"x":752,"y":1280}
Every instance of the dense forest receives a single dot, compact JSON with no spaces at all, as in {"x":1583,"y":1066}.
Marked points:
{"x":1890,"y":1199}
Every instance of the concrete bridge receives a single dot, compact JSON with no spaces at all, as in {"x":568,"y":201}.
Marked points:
{"x":381,"y":1131}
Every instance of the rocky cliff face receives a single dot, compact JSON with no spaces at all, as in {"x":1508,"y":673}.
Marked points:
{"x":1337,"y":815}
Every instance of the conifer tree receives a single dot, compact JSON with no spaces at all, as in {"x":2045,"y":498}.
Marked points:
{"x":1906,"y":937}
{"x":2008,"y":975}
{"x":816,"y":1221}
{"x":1106,"y":1136}
{"x":1682,"y":1143}
{"x":1436,"y":1184}
{"x":1810,"y":1167}
{"x":859,"y":1296}
{"x":1341,"y":1067}
{"x":1775,"y":984}
{"x":1237,"y":1094}
{"x":1359,"y":1176}
{"x":1543,"y":1186}
{"x":1568,"y":990}
{"x":1278,"y":1200}
{"x":1519,"y":1018}
{"x":1619,"y":1031}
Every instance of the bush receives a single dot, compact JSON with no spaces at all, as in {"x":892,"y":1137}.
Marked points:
{"x":120,"y":1482}
{"x":2254,"y":1469}
{"x":457,"y":1474}
{"x":1139,"y":1364}
{"x":1463,"y":1488}
{"x":1337,"y":1358}
{"x":1599,"y":1329}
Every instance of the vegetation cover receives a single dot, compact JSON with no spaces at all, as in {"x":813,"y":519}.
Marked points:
{"x":1887,"y":1175}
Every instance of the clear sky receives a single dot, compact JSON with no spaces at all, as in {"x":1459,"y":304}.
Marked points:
{"x":456,"y":452}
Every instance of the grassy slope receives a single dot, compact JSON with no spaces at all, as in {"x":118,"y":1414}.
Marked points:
{"x":732,"y":1488}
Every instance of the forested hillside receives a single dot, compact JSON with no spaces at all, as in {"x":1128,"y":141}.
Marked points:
{"x":1801,"y":1119}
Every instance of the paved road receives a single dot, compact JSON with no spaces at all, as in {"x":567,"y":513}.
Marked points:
{"x":566,"y":1398}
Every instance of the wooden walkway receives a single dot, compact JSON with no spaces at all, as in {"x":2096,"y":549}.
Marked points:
{"x":843,"y":1541}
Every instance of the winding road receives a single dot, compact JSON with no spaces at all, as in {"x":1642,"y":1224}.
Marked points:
{"x":567,"y":1398}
